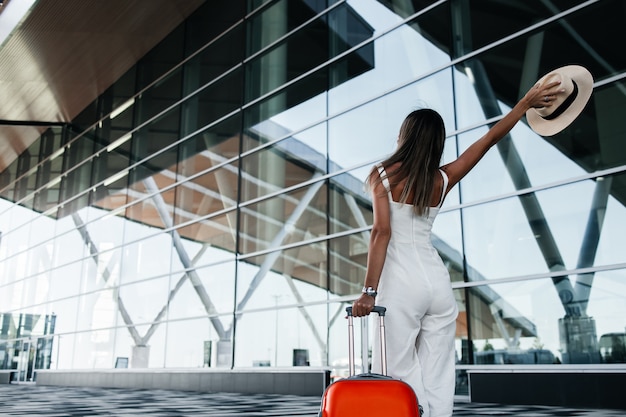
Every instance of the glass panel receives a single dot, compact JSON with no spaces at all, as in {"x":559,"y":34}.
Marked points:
{"x":213,"y":102}
{"x":283,"y":337}
{"x":207,"y":193}
{"x":282,"y":278}
{"x":276,"y":20}
{"x":141,"y":304}
{"x":447,"y":239}
{"x":211,"y":20}
{"x":150,"y":355}
{"x":146,"y":258}
{"x":65,"y":312}
{"x":211,"y":239}
{"x":152,"y":208}
{"x":16,"y":230}
{"x":65,"y":281}
{"x":64,"y":352}
{"x":348,"y":263}
{"x":155,"y":137}
{"x":285,"y":219}
{"x":488,"y":84}
{"x":300,"y":93}
{"x":94,"y":350}
{"x":287,"y":121}
{"x":370,"y":132}
{"x":350,"y":201}
{"x":219,"y":56}
{"x":210,"y":147}
{"x":159,"y":96}
{"x":461,"y":342}
{"x":103,"y":238}
{"x":525,"y":322}
{"x":305,"y":49}
{"x":202,"y":291}
{"x":288,"y":163}
{"x":400,"y":55}
{"x":526,"y":159}
{"x":189,"y":344}
{"x":563,"y":227}
{"x":98,"y":309}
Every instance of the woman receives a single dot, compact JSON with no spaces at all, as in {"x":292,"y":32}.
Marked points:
{"x":408,"y":188}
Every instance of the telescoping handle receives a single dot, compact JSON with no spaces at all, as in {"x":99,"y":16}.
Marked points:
{"x":383,"y":348}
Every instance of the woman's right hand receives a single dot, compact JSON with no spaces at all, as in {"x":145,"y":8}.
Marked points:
{"x":543,"y":95}
{"x":363,"y":305}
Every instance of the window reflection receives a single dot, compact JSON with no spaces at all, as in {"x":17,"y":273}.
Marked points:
{"x":306,"y":48}
{"x":532,"y":322}
{"x":561,"y":227}
{"x":284,"y":219}
{"x":297,"y":274}
{"x":288,"y":337}
{"x":369,"y":132}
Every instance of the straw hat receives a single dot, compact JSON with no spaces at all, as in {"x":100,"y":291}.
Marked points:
{"x":578,"y":84}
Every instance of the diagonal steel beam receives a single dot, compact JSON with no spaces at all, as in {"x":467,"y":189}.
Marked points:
{"x":157,"y":320}
{"x":285,"y":230}
{"x":530,"y":204}
{"x":194,"y":278}
{"x":589,"y":247}
{"x":93,"y":250}
{"x":358,"y":215}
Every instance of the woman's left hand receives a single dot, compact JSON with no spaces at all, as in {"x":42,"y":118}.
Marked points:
{"x":363,"y":305}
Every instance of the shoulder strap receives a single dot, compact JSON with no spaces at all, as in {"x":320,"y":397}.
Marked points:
{"x":445,"y":186}
{"x":383,"y":178}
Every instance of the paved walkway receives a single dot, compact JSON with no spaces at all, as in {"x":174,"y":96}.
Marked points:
{"x":33,"y":400}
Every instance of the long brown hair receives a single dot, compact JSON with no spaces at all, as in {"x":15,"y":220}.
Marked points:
{"x":420,"y":147}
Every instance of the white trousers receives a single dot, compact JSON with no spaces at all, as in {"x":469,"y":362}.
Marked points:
{"x":420,"y":329}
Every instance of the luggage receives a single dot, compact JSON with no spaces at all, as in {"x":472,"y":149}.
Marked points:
{"x":369,"y":394}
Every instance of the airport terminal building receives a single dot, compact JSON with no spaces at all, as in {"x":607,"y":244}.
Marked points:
{"x":182,"y":189}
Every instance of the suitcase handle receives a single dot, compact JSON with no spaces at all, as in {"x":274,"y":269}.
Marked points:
{"x":383,"y":348}
{"x":377,"y":309}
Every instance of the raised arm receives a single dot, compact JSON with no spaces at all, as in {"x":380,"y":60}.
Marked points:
{"x":537,"y":96}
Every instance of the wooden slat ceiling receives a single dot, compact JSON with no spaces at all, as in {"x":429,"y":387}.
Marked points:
{"x":67,"y":52}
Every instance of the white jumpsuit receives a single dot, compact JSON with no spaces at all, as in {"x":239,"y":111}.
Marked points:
{"x":420,"y":322}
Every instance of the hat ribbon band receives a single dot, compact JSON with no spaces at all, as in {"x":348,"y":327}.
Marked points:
{"x":564,"y":106}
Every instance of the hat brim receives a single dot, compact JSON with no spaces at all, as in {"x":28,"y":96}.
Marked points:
{"x":584,"y":81}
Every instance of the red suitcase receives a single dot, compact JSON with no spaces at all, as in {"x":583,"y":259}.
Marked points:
{"x":369,"y":394}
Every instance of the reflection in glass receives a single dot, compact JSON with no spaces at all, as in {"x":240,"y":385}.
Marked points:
{"x":288,"y":337}
{"x":298,"y":274}
{"x":370,"y":132}
{"x":561,"y":227}
{"x":189,"y":344}
{"x":537,"y":322}
{"x":284,"y":219}
{"x":283,"y":165}
{"x":322,"y":39}
{"x":348,"y":262}
{"x":203,"y":291}
{"x":350,"y":202}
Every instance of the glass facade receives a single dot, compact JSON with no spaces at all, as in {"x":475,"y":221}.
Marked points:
{"x":208,"y":210}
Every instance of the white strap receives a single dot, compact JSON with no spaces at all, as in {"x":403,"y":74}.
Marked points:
{"x":384,"y":179}
{"x":445,"y":186}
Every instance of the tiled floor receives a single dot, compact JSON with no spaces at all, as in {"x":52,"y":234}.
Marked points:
{"x":33,"y":400}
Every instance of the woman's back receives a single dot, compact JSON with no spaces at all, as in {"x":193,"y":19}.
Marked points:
{"x":397,"y":186}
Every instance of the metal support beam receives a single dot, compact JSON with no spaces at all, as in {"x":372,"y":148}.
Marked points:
{"x":106,"y":274}
{"x":193,"y":276}
{"x":157,"y":320}
{"x":589,"y":247}
{"x":287,"y":228}
{"x":517,"y":172}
